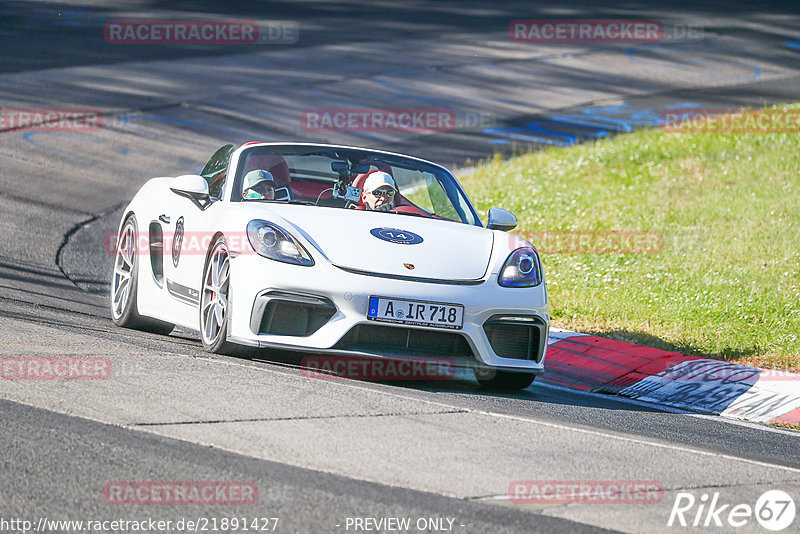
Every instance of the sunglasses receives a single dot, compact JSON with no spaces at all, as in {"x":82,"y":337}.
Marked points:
{"x":383,"y":193}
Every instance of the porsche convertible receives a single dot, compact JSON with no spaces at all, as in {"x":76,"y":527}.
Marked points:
{"x":332,"y":250}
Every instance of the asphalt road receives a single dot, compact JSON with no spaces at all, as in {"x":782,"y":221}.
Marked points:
{"x":323,"y":451}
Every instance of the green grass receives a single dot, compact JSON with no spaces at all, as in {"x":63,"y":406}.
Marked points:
{"x":786,"y":426}
{"x":725,"y":285}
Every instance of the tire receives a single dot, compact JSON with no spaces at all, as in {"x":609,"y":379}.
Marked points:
{"x":214,"y":299}
{"x":124,"y":282}
{"x":498,"y":380}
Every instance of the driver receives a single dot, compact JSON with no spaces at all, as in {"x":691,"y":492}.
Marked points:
{"x":379,"y":192}
{"x":259,"y":185}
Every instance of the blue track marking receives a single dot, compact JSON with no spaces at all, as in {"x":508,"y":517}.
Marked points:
{"x":588,"y":123}
{"x":29,"y":137}
{"x":793,"y":44}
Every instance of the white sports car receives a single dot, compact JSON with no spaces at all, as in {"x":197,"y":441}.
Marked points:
{"x":334,"y":250}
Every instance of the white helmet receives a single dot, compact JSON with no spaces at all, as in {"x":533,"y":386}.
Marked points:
{"x":378,"y":179}
{"x":254,"y":178}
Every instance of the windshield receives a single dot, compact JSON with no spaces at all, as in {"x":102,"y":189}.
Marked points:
{"x":351,"y":179}
{"x":216,"y":168}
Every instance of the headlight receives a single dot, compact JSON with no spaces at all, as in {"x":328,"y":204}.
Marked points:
{"x":275,"y":243}
{"x":521,"y":269}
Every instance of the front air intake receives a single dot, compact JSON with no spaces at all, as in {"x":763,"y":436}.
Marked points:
{"x":517,"y":338}
{"x":289,"y":314}
{"x":401,"y":341}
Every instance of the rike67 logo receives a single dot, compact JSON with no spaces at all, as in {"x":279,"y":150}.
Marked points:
{"x":774,"y":510}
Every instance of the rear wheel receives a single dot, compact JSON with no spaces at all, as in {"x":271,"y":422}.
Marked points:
{"x":498,"y":380}
{"x":124,"y":285}
{"x":214,"y":301}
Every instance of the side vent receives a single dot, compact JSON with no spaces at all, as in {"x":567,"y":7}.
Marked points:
{"x":157,"y":252}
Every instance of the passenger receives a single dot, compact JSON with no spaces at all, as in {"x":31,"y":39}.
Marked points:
{"x":379,"y":192}
{"x":259,"y":185}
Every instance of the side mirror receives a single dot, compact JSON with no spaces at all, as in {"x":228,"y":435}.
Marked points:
{"x":193,"y":187}
{"x":500,"y":219}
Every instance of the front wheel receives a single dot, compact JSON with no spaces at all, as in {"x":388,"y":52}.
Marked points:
{"x":215,"y":299}
{"x":124,"y":282}
{"x":498,"y":380}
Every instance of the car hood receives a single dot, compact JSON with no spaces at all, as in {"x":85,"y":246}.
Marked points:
{"x":391,"y":244}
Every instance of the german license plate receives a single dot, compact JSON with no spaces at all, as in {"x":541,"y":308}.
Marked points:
{"x":416,"y":312}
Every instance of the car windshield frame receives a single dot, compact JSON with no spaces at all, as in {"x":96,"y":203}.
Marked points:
{"x":448,"y":183}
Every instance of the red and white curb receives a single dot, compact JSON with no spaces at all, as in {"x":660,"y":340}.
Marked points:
{"x":601,"y":365}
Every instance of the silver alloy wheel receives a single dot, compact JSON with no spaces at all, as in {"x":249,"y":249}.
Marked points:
{"x":214,"y":298}
{"x":123,"y":270}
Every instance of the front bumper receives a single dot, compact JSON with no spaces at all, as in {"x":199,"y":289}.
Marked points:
{"x":490,"y":311}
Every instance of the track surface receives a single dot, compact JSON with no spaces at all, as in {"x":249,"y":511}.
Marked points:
{"x":322,"y":451}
